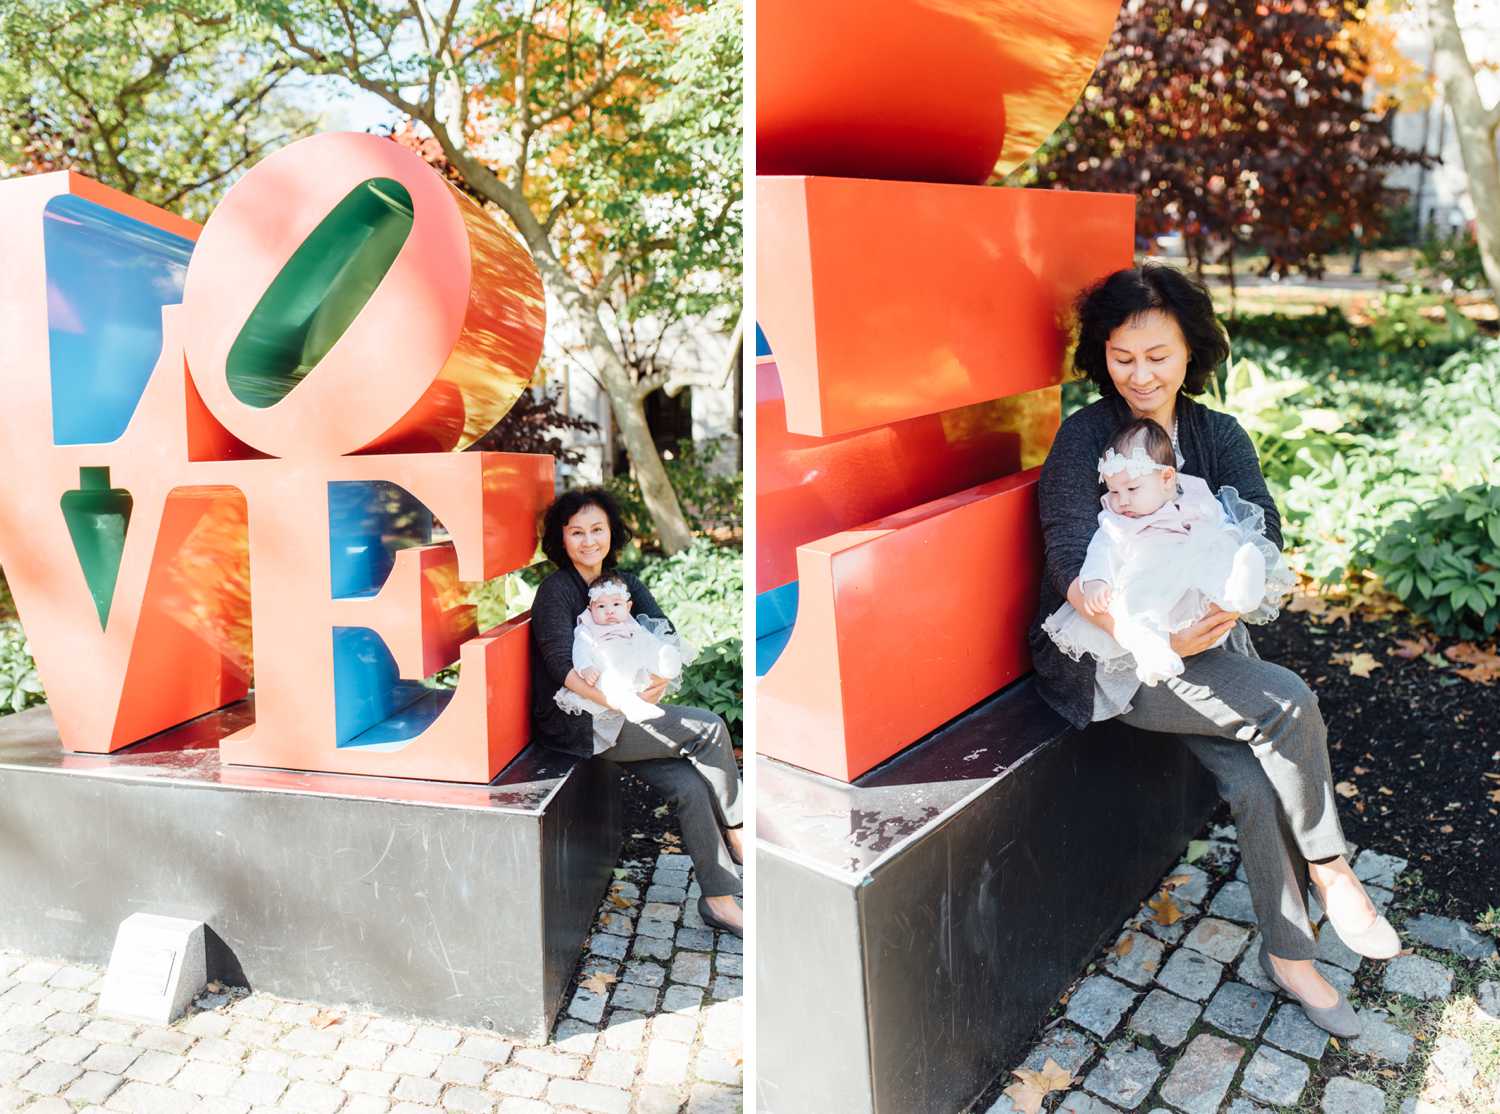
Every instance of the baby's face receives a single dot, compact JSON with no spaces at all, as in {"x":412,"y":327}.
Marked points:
{"x":610,"y":608}
{"x":1135,"y":496}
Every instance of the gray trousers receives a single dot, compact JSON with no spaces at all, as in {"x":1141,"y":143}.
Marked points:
{"x":703,"y":786}
{"x":1256,"y":727}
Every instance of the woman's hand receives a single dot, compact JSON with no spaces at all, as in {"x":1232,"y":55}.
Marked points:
{"x":1205,"y":632}
{"x":653,"y":692}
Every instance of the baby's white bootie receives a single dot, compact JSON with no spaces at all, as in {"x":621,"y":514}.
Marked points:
{"x":1246,"y":584}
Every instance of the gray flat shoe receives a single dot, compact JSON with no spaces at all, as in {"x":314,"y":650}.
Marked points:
{"x":1338,"y":1019}
{"x":1377,"y":940}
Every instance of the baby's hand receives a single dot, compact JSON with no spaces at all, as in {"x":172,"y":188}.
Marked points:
{"x":590,"y":676}
{"x":1095,"y":597}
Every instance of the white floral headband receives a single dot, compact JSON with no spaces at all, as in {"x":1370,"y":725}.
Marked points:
{"x":608,"y":588}
{"x":1136,"y":464}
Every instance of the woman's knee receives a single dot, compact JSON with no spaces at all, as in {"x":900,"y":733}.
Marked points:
{"x":1292,"y":707}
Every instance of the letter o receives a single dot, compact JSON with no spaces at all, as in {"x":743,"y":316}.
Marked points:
{"x":343,"y":298}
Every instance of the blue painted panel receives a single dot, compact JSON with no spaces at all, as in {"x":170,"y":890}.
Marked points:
{"x":367,"y":523}
{"x":762,"y":345}
{"x":366,"y":688}
{"x":775,"y":615}
{"x":108,"y":277}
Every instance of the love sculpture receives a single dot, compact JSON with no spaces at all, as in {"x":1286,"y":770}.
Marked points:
{"x":225,"y":449}
{"x":911,"y":349}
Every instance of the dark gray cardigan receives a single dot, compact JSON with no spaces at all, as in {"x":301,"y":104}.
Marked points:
{"x":560,"y":599}
{"x":1214,"y":447}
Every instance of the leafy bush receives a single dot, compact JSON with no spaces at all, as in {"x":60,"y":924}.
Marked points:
{"x":711,"y":499}
{"x":702,"y":589}
{"x":1455,"y":259}
{"x":715,"y":680}
{"x":1406,"y":440}
{"x":20,"y":687}
{"x":1443,"y":561}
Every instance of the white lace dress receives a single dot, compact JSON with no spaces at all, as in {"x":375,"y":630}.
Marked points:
{"x":1164,"y":570}
{"x":626,"y":654}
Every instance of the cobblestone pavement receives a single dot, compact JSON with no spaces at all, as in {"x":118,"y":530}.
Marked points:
{"x":1178,"y":1018}
{"x":658,"y":1033}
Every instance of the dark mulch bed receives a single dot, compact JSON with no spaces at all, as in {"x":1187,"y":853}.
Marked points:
{"x":1415,"y":740}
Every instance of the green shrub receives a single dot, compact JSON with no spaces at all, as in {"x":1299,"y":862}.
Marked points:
{"x":20,"y":687}
{"x":1443,"y":561}
{"x":1455,"y":259}
{"x":702,"y":590}
{"x":715,"y":680}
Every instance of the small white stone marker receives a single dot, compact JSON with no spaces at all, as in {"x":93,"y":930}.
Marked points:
{"x":157,"y":968}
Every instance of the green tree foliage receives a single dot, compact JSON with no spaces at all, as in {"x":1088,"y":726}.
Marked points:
{"x":162,"y":101}
{"x":1242,"y":124}
{"x":607,"y":132}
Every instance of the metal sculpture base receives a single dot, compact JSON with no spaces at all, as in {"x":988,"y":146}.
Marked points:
{"x":455,"y":903}
{"x":917,"y":925}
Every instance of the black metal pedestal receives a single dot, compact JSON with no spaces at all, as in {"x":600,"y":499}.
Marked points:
{"x":464,"y":904}
{"x":913,"y":928}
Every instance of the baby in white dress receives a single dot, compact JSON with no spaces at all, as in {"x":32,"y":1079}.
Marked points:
{"x":1165,"y":550}
{"x":617,"y":654}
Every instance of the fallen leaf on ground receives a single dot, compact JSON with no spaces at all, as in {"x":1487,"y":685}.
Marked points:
{"x":1123,"y":945}
{"x":1025,"y":1098}
{"x":1495,"y":796}
{"x":1197,"y":848}
{"x":1052,"y":1077}
{"x":324,"y":1018}
{"x":1359,"y":664}
{"x":1436,"y":660}
{"x":1387,"y":792}
{"x":598,"y":983}
{"x":659,"y":811}
{"x":1177,"y":880}
{"x":1346,"y":789}
{"x":620,"y":902}
{"x":1358,"y":770}
{"x":1411,"y":647}
{"x":1166,"y":911}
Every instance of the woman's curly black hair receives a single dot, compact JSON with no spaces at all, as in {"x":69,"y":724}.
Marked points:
{"x":570,"y":503}
{"x":1109,"y":303}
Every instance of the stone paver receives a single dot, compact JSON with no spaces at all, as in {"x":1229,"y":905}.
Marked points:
{"x":1165,"y":1017}
{"x":1067,"y":1048}
{"x":1200,"y":1079}
{"x":1381,"y":1039}
{"x":1418,"y":976}
{"x":1238,"y":1009}
{"x":1190,"y":975}
{"x":1139,"y":964}
{"x":1292,"y":1030}
{"x":1124,"y":1076}
{"x":664,"y":1033}
{"x":1099,"y":1003}
{"x":1377,"y":869}
{"x":1275,"y":1077}
{"x":1217,"y":939}
{"x":1221,"y":1039}
{"x":1333,"y":950}
{"x":1348,"y":1096}
{"x":1449,"y":935}
{"x":1488,"y":997}
{"x":1232,"y":903}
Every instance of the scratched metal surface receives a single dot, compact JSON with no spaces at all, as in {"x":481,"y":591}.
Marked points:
{"x":852,"y":828}
{"x":414,"y":898}
{"x":916,"y":926}
{"x":189,"y":753}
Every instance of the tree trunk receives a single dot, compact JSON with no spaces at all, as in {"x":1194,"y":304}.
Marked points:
{"x":1476,"y":129}
{"x":630,"y":415}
